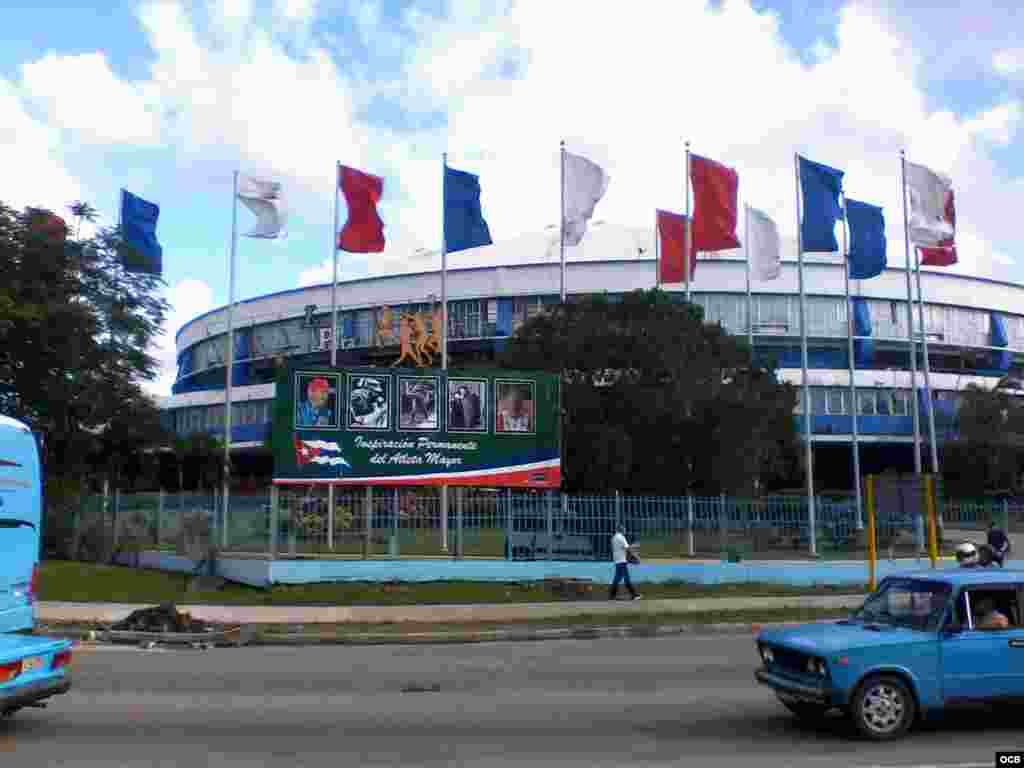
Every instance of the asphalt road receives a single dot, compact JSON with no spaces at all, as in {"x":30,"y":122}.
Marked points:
{"x":645,"y":702}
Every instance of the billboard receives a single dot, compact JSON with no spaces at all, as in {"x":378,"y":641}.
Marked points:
{"x":417,"y":426}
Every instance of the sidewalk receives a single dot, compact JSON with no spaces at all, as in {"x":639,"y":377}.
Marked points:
{"x":107,"y":613}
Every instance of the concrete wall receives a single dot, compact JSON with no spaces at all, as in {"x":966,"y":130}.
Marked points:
{"x":261,"y":573}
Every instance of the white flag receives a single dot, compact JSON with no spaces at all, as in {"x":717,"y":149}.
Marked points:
{"x":763,"y":248}
{"x":585,"y":184}
{"x":927,"y":191}
{"x":264,"y":198}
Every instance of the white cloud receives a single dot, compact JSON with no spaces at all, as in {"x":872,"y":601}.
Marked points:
{"x":34,"y":172}
{"x":82,"y":94}
{"x":1009,"y":62}
{"x":297,"y":10}
{"x":615,"y":95}
{"x":188,"y":299}
{"x":998,"y":124}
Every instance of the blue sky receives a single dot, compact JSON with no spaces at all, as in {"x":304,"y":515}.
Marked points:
{"x":167,"y":99}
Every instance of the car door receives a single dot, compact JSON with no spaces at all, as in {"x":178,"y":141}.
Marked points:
{"x":982,"y":664}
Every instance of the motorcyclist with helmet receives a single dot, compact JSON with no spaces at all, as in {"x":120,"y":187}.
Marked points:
{"x":998,"y":542}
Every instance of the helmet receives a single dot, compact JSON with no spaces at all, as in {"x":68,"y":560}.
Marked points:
{"x":967,"y":555}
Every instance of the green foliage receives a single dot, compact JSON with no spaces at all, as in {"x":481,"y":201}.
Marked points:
{"x":77,"y":330}
{"x":655,"y":400}
{"x":988,"y":454}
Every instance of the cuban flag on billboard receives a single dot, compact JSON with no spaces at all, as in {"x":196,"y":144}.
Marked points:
{"x":319,"y":452}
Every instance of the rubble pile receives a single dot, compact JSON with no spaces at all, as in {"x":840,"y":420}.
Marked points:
{"x":162,"y":618}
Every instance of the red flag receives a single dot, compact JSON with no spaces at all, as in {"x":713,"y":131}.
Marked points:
{"x":944,"y":254}
{"x":672,"y":234}
{"x":48,"y":225}
{"x":363,"y":231}
{"x":714,"y":215}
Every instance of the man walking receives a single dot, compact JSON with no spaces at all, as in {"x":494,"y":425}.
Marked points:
{"x":620,"y":548}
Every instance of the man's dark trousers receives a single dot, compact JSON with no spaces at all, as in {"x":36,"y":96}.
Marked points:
{"x":621,"y":574}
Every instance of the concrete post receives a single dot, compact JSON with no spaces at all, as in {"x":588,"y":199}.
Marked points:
{"x":508,"y":523}
{"x":330,"y":517}
{"x":691,"y":549}
{"x":160,"y":514}
{"x":368,"y":524}
{"x":460,"y":500}
{"x":274,"y":502}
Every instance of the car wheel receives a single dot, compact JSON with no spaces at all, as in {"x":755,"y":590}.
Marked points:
{"x":805,"y":710}
{"x":883,"y":708}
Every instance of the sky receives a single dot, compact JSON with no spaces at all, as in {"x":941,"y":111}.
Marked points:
{"x":167,"y":99}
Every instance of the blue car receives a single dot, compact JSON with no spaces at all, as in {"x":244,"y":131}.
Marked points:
{"x":921,"y":643}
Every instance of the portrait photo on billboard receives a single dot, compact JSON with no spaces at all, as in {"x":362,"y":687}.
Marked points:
{"x":467,"y":405}
{"x":418,"y":406}
{"x":316,"y":400}
{"x":369,"y":402}
{"x":514,"y":407}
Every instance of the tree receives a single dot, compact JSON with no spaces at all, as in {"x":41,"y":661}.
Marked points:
{"x":77,"y":331}
{"x":987,"y":455}
{"x":655,"y":400}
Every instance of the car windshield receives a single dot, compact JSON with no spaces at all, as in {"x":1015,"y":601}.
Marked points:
{"x":910,"y":603}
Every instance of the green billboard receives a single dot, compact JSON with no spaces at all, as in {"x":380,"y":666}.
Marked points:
{"x":417,"y":426}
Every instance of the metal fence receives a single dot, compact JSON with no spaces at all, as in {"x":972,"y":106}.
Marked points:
{"x":513,"y":524}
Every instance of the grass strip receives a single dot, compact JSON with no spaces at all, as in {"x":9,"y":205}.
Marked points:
{"x":68,"y":581}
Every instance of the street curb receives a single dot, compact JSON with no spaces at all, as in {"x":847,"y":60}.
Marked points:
{"x":515,"y":635}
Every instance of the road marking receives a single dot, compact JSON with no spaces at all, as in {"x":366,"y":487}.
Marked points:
{"x":84,"y":648}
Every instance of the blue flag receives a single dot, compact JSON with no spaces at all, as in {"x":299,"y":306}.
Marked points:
{"x":820,"y":187}
{"x":867,"y":239}
{"x":141,"y":251}
{"x":464,"y":225}
{"x":1000,"y":359}
{"x":863,"y":349}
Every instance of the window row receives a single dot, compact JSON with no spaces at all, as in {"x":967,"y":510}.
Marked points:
{"x":871,"y":401}
{"x":200,"y":418}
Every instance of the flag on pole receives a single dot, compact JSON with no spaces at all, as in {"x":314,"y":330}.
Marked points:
{"x":464,"y":224}
{"x":585,"y":185}
{"x":867,"y":239}
{"x":820,"y":186}
{"x":264,"y":198}
{"x":715,"y":189}
{"x":930,"y":194}
{"x":672,"y":234}
{"x":944,"y":254}
{"x":141,"y":251}
{"x":763,"y":245}
{"x":363,"y":231}
{"x":48,"y":225}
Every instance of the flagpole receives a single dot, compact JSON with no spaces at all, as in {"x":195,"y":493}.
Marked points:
{"x":746,"y":250}
{"x":561,"y":225}
{"x":231,"y":360}
{"x":689,"y":226}
{"x":910,"y":322}
{"x":657,"y":252}
{"x":444,"y":325}
{"x":927,"y":368}
{"x":808,"y":448}
{"x":334,"y":279}
{"x":850,"y":353}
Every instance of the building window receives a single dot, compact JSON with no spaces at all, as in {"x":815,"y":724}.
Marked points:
{"x":837,"y":401}
{"x":364,"y":327}
{"x":899,"y":403}
{"x":867,"y":402}
{"x":819,"y":400}
{"x":884,"y":400}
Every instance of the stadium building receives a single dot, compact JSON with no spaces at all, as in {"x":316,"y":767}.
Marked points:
{"x":974,"y":327}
